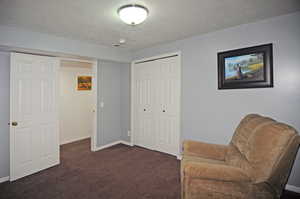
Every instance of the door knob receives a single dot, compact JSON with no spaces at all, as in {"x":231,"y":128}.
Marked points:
{"x":14,"y":123}
{"x":164,"y":110}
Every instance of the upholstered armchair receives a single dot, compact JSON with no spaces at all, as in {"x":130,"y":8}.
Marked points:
{"x":255,"y":165}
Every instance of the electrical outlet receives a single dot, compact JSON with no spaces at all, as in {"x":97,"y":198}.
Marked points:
{"x":128,"y":133}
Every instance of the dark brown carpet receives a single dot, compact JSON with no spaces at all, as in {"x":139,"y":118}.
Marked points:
{"x":119,"y":172}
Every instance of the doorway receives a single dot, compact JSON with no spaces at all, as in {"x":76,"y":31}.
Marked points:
{"x":77,"y":101}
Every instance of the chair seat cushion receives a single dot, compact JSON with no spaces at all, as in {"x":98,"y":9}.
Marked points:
{"x":217,"y":172}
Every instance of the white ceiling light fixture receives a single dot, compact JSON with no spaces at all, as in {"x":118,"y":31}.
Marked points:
{"x":133,"y":14}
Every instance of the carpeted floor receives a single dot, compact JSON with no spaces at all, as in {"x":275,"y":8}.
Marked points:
{"x":119,"y":172}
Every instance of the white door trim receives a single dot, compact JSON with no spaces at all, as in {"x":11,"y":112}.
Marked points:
{"x":95,"y":93}
{"x":94,"y":137}
{"x":178,"y":53}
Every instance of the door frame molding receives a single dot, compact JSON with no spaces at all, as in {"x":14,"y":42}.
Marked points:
{"x":95,"y":94}
{"x":132,"y":75}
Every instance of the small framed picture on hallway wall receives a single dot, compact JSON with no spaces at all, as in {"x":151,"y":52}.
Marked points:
{"x":84,"y":83}
{"x":246,"y":68}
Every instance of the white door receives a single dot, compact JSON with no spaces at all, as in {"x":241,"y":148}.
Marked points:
{"x":34,"y":129}
{"x":156,"y":104}
{"x":168,"y":105}
{"x":144,"y":110}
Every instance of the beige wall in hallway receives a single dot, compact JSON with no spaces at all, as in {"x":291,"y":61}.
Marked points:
{"x":76,"y":116}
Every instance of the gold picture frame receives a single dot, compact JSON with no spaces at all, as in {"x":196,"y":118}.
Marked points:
{"x":84,"y":83}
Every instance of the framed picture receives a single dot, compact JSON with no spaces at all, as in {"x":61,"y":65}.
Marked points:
{"x":246,"y":68}
{"x":84,"y":83}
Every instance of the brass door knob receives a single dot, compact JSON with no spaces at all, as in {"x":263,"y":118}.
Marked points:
{"x":14,"y":123}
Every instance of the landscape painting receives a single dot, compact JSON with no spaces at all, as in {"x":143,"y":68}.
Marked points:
{"x":84,"y":83}
{"x":250,"y":67}
{"x":246,"y":67}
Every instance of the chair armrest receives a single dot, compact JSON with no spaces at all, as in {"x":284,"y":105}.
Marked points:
{"x":204,"y":150}
{"x":215,"y":172}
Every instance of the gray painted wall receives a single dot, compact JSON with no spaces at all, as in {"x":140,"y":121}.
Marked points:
{"x":211,"y":115}
{"x":125,"y":102}
{"x":111,"y":90}
{"x":4,"y":113}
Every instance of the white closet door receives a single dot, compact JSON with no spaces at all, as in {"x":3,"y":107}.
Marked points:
{"x":34,"y":133}
{"x":156,"y":104}
{"x":144,"y":105}
{"x":168,"y":105}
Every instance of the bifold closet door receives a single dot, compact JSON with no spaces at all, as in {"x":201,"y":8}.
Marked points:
{"x":168,"y":105}
{"x":144,"y":105}
{"x":156,"y":105}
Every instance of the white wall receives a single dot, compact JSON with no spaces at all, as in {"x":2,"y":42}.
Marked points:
{"x":211,"y":115}
{"x":75,"y":114}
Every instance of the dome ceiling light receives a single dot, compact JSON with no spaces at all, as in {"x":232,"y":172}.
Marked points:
{"x":133,"y":14}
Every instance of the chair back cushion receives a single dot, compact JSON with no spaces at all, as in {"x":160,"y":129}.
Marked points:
{"x":260,"y":145}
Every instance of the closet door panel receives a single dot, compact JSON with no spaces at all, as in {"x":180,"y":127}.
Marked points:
{"x":168,"y":95}
{"x":144,"y":101}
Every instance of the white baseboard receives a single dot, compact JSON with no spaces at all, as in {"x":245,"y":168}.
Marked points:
{"x":126,"y":143}
{"x":292,"y":188}
{"x":74,"y":140}
{"x":112,"y":144}
{"x":4,"y":179}
{"x":179,"y":157}
{"x":107,"y":145}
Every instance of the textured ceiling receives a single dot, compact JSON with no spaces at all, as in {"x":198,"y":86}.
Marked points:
{"x":96,"y":21}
